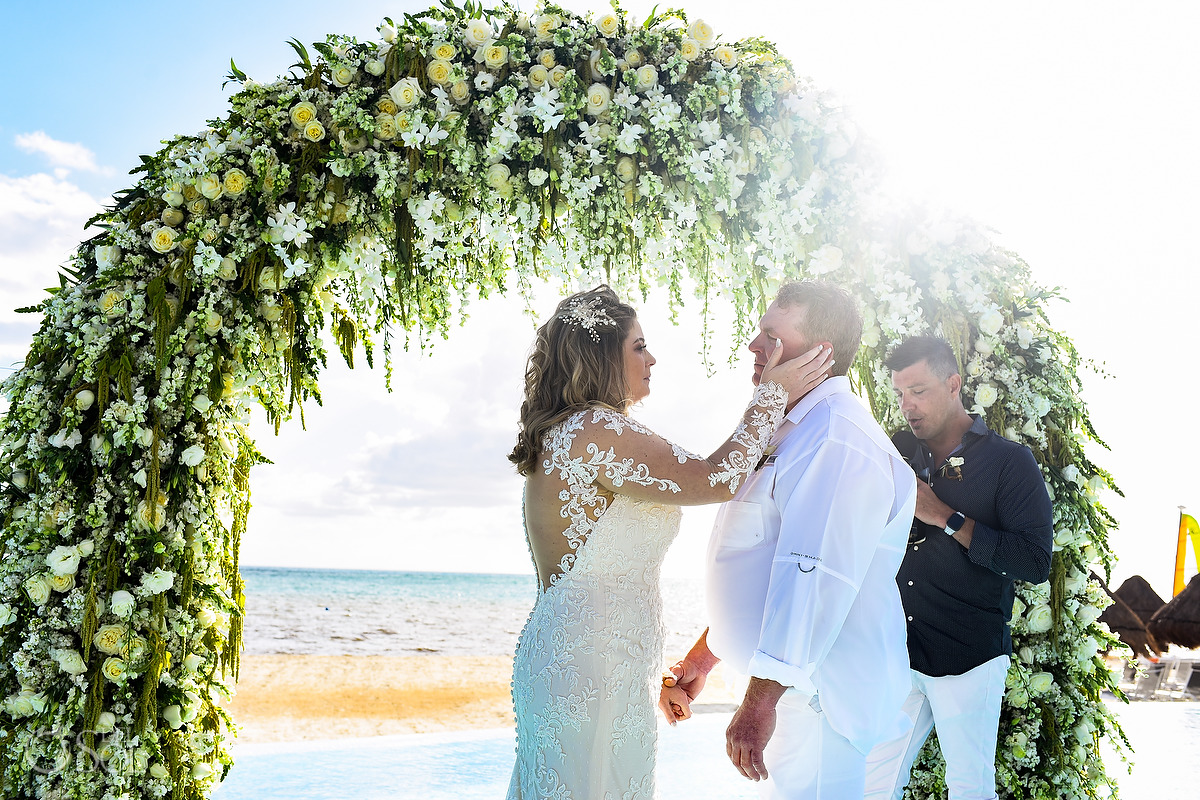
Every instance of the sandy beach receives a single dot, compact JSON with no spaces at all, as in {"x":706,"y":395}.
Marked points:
{"x":285,"y":698}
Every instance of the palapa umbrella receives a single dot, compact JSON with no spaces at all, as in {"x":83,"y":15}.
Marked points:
{"x":1137,"y":594}
{"x":1126,"y":624}
{"x":1178,"y":622}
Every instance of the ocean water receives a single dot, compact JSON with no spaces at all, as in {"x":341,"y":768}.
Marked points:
{"x":375,"y":612}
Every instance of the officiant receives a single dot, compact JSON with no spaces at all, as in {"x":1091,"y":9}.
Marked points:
{"x":983,"y":521}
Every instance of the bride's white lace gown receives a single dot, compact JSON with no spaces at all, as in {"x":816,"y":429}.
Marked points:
{"x":587,"y":667}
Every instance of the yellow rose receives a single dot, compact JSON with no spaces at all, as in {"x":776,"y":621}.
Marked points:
{"x":726,"y":56}
{"x":235,"y":182}
{"x":546,"y":59}
{"x":111,"y":303}
{"x":198,"y":206}
{"x":163,"y":240}
{"x":557,"y":75}
{"x":342,"y":75}
{"x":386,"y":106}
{"x":439,"y":71}
{"x":703,"y":33}
{"x":190,"y":192}
{"x":62,"y":583}
{"x":689,"y":48}
{"x":385,"y":127}
{"x":213,"y":323}
{"x":404,"y":123}
{"x":634,"y":58}
{"x":444,"y":51}
{"x":599,"y":98}
{"x":495,"y":56}
{"x":303,"y":113}
{"x":538,"y":75}
{"x":210,"y":186}
{"x":608,"y":25}
{"x":314,"y":131}
{"x":171,"y":216}
{"x":113,"y":668}
{"x":460,"y":92}
{"x":111,"y":638}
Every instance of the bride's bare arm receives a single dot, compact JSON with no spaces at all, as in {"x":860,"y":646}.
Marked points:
{"x":619,"y":454}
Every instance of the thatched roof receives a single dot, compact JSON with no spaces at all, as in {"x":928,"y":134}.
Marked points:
{"x":1178,"y":622}
{"x":1122,"y":621}
{"x":1137,"y":594}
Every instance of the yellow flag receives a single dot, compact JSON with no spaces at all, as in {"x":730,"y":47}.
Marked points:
{"x":1188,"y":526}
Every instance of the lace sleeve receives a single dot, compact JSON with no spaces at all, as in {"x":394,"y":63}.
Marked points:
{"x":623,"y":456}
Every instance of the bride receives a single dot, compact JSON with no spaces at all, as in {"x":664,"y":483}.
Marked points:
{"x":602,"y":497}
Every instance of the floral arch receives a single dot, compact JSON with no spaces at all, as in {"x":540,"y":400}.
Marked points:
{"x":385,"y":185}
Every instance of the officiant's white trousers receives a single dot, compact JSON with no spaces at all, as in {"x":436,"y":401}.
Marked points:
{"x":966,"y":711}
{"x":808,"y":760}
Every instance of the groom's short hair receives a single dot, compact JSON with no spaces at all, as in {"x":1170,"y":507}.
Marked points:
{"x":830,"y":314}
{"x":933,"y":350}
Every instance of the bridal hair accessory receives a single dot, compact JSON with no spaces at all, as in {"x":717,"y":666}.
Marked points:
{"x":588,"y":314}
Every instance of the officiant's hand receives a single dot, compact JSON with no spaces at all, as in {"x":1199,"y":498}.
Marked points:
{"x":799,"y":375}
{"x":680,"y":686}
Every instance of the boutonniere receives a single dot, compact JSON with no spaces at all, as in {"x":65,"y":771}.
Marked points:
{"x":952,"y":469}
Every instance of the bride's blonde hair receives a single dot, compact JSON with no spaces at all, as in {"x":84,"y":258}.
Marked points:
{"x":577,"y":361}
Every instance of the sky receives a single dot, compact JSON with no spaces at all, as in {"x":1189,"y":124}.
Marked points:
{"x":1067,"y":128}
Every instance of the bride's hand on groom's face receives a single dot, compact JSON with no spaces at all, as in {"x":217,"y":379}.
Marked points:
{"x":802,"y":374}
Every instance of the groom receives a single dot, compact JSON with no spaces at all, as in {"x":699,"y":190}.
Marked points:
{"x":802,"y":568}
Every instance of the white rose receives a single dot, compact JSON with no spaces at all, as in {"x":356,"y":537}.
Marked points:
{"x":538,"y":75}
{"x":314,"y":131}
{"x":211,"y":186}
{"x":84,"y":399}
{"x":476,"y":32}
{"x":991,"y":322}
{"x":342,"y":75}
{"x":163,"y":240}
{"x":107,"y":256}
{"x":235,"y":183}
{"x":626,"y":169}
{"x":1017,"y":697}
{"x":1039,"y":618}
{"x":703,"y":33}
{"x":206,"y":617}
{"x":20,"y":479}
{"x":535,"y":176}
{"x":497,"y":176}
{"x":1040,"y":682}
{"x":1026,"y":654}
{"x":114,"y":668}
{"x":974,"y":368}
{"x":201,"y":403}
{"x":212,"y":323}
{"x":460,"y":92}
{"x":405,"y":93}
{"x":599,"y":98}
{"x":192,"y":663}
{"x":63,"y":560}
{"x":1087,"y":615}
{"x":1024,"y":337}
{"x":62,"y":583}
{"x":106,"y":722}
{"x":495,"y":56}
{"x":825,"y":259}
{"x":69,"y":661}
{"x":192,"y":455}
{"x":174,"y":198}
{"x":375,"y":67}
{"x":1071,"y":473}
{"x":122,"y":603}
{"x":302,"y":113}
{"x":558,"y":75}
{"x":7,"y":615}
{"x":228,"y":270}
{"x":545,"y":25}
{"x":647,"y":77}
{"x":608,"y":25}
{"x":385,"y":127}
{"x":633,"y":59}
{"x":986,"y":395}
{"x":726,"y":56}
{"x":158,"y":581}
{"x":111,"y":638}
{"x":690,"y":49}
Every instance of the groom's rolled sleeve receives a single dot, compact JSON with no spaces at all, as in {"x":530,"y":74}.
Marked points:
{"x":834,"y":502}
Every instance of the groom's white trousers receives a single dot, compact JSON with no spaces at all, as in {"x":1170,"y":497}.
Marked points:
{"x":966,"y":710}
{"x":808,"y":760}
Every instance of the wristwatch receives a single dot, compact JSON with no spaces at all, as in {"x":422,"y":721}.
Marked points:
{"x":955,"y":523}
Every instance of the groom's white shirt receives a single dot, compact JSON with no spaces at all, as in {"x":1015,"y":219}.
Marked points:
{"x":802,"y":566}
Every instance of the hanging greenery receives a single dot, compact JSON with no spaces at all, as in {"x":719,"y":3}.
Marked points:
{"x":378,"y":189}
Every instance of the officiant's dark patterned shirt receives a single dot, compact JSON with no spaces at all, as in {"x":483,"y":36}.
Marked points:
{"x":958,"y":600}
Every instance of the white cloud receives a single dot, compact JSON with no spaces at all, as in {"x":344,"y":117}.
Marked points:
{"x":62,"y":155}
